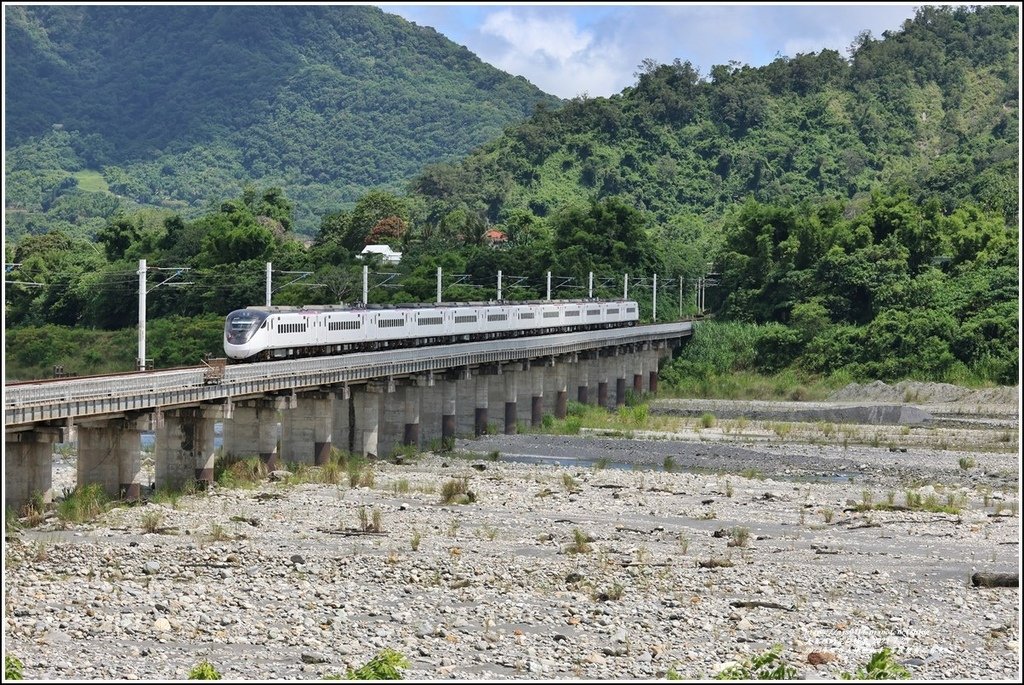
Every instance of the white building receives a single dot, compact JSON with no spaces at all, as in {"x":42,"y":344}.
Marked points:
{"x":387,"y":254}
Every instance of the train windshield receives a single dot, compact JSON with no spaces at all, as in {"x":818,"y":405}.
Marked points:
{"x":241,"y":325}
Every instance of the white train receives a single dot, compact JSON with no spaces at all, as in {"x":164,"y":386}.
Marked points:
{"x":267,"y":333}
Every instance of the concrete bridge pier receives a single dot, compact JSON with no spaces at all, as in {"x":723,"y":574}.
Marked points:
{"x":306,"y":428}
{"x":639,"y":361}
{"x":655,"y":362}
{"x":184,"y":447}
{"x":342,"y":420}
{"x":366,"y":402}
{"x":252,"y":431}
{"x":431,"y":408}
{"x":561,"y":390}
{"x":392,"y":418}
{"x":450,"y":386}
{"x":465,"y":404}
{"x":619,"y":369}
{"x":583,"y":366}
{"x":480,"y":417}
{"x":411,"y":404}
{"x":602,"y":364}
{"x":109,"y":454}
{"x":28,"y":466}
{"x":511,"y":376}
{"x":537,"y":374}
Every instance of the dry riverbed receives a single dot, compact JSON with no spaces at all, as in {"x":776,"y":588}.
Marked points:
{"x":580,"y":557}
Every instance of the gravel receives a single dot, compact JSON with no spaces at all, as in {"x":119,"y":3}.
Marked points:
{"x":557,"y":570}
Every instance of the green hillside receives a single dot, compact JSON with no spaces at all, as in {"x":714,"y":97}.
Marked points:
{"x":178,"y":107}
{"x":931,"y":110}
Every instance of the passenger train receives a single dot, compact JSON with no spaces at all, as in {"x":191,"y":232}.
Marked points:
{"x":269,"y":333}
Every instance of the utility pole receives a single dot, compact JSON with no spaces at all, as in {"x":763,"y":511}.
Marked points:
{"x":680,"y":297}
{"x":654,"y":290}
{"x":269,"y":291}
{"x":439,"y":285}
{"x":625,"y":286}
{"x":366,"y":283}
{"x":499,"y":285}
{"x":590,"y":289}
{"x":549,"y":286}
{"x":140,"y":363}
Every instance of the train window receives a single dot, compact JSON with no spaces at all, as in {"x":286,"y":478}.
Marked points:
{"x":465,"y":318}
{"x":525,"y":315}
{"x":390,"y":323}
{"x":550,"y":315}
{"x":593,"y":312}
{"x":344,"y":325}
{"x":429,"y":321}
{"x":631,"y":310}
{"x":497,"y":317}
{"x":572,"y":313}
{"x":613,"y":311}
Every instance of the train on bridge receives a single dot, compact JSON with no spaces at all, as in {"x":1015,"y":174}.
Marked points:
{"x":270,"y":333}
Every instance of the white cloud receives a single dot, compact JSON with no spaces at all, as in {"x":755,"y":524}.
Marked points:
{"x":553,"y":52}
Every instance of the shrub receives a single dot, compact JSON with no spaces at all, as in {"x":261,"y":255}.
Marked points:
{"x":85,"y":503}
{"x":767,"y":665}
{"x":707,"y":420}
{"x":881,"y":666}
{"x":12,"y":668}
{"x":456,"y":491}
{"x":580,"y":542}
{"x":204,"y":670}
{"x":384,"y":666}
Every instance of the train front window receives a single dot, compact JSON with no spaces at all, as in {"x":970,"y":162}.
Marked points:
{"x":241,"y":325}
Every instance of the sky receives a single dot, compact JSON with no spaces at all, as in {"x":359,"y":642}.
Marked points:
{"x":595,"y":50}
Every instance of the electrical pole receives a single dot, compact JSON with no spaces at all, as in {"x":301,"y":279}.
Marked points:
{"x":654,"y":290}
{"x":625,"y":286}
{"x":366,"y":283}
{"x":439,"y":285}
{"x":140,"y":363}
{"x":549,"y":286}
{"x":499,"y":285}
{"x":590,"y":290}
{"x":269,"y":272}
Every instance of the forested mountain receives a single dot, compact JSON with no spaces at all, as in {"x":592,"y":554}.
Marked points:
{"x":931,"y":110}
{"x":108,"y":107}
{"x":861,"y":214}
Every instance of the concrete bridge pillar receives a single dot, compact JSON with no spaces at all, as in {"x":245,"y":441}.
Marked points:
{"x":561,"y":390}
{"x":465,"y":405}
{"x":511,"y":376}
{"x":537,"y":374}
{"x":583,"y":366}
{"x":480,"y":418}
{"x":28,"y":466}
{"x":392,"y":418}
{"x":366,"y":406}
{"x":342,"y":421}
{"x":252,"y":431}
{"x":652,"y":384}
{"x":306,"y":429}
{"x":109,"y":454}
{"x":411,"y":402}
{"x":184,"y":447}
{"x":639,"y":359}
{"x":602,"y":364}
{"x":619,"y":369}
{"x":449,"y":411}
{"x":431,"y":408}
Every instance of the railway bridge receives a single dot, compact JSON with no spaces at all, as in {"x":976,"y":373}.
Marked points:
{"x":368,"y":403}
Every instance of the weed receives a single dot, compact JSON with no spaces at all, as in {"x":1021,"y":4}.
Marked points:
{"x":827,"y":514}
{"x":684,"y":544}
{"x":967,"y":463}
{"x":611,"y":594}
{"x":571,"y":484}
{"x":881,"y":666}
{"x":456,"y":491}
{"x":453,"y":528}
{"x":601,"y":463}
{"x":167,"y":497}
{"x":414,"y":543}
{"x":669,"y":464}
{"x":204,"y":670}
{"x":768,"y":665}
{"x":707,"y":420}
{"x":401,"y":486}
{"x":385,"y":666}
{"x":488,"y":532}
{"x":728,"y":489}
{"x":218,"y":534}
{"x":580,"y":544}
{"x":84,"y":503}
{"x":13,"y":668}
{"x":752,"y":474}
{"x":739,"y":537}
{"x":151,"y":520}
{"x":716,"y":562}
